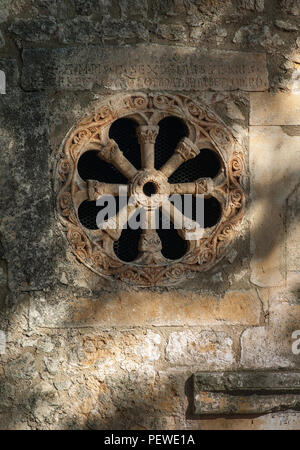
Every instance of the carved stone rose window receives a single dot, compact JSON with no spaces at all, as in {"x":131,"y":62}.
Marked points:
{"x":150,"y":146}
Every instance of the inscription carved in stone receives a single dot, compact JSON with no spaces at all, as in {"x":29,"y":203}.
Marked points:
{"x":143,"y":67}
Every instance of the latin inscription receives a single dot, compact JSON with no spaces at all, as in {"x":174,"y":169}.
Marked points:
{"x":143,"y":67}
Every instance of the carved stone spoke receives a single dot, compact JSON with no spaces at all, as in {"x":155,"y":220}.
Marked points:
{"x":150,"y":248}
{"x":147,"y":136}
{"x":187,"y":228}
{"x":149,"y":244}
{"x":113,"y":155}
{"x":184,"y":151}
{"x":205,"y":186}
{"x":115,"y":224}
{"x":96,"y":189}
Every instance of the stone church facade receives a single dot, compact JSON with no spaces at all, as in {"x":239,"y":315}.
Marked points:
{"x":150,"y":329}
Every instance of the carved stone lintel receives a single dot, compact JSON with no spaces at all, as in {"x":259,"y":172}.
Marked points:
{"x":245,"y":392}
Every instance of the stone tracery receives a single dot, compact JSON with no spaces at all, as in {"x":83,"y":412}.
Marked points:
{"x":95,"y":248}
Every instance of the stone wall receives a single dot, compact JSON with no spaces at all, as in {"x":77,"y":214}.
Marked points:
{"x":80,"y":351}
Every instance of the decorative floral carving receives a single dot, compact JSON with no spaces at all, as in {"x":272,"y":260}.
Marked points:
{"x":147,"y":134}
{"x":150,"y":268}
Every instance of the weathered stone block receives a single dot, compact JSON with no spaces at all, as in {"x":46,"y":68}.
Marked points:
{"x":286,"y":420}
{"x":137,"y":308}
{"x":274,"y":157}
{"x":25,"y":191}
{"x":252,"y":5}
{"x":10,"y":68}
{"x":40,"y":29}
{"x":172,"y":32}
{"x":203,"y":348}
{"x":151,"y":67}
{"x":274,"y":109}
{"x":293,"y":230}
{"x":2,"y":40}
{"x":267,"y":347}
{"x":245,"y":392}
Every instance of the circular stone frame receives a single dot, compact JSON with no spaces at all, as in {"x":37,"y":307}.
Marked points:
{"x":94,"y":248}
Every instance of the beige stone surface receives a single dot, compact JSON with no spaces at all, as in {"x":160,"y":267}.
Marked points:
{"x":274,"y":109}
{"x":148,"y":308}
{"x":82,"y":352}
{"x":266,"y":348}
{"x":205,"y":349}
{"x":293,"y":230}
{"x":275,"y":167}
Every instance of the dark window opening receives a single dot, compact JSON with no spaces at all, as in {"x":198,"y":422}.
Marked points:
{"x":91,"y":167}
{"x":212,"y":210}
{"x":88,"y":210}
{"x":124,"y":132}
{"x":173,"y":246}
{"x":126,"y":247}
{"x":206,"y":164}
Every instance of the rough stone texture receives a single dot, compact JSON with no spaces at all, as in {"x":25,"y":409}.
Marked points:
{"x":2,"y":41}
{"x":80,"y":352}
{"x":258,"y":34}
{"x":162,"y":68}
{"x":25,"y":200}
{"x":204,"y":349}
{"x":136,"y":308}
{"x":10,"y":68}
{"x":276,"y":421}
{"x":41,"y":29}
{"x":259,"y":349}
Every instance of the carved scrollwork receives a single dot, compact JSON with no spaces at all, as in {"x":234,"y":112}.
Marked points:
{"x":150,"y":268}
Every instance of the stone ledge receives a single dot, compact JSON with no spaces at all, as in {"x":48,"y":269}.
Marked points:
{"x":245,"y":392}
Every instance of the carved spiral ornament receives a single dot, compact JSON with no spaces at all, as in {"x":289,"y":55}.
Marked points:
{"x":204,"y":245}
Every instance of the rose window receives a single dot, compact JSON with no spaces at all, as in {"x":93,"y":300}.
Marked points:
{"x":149,"y":153}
